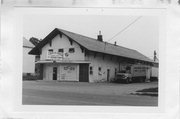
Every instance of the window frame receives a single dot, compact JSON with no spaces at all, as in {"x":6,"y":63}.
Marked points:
{"x":99,"y":69}
{"x":61,"y":49}
{"x":50,"y":50}
{"x":71,"y":49}
{"x":91,"y":70}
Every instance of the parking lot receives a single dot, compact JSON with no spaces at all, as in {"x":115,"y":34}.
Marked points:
{"x":79,"y":93}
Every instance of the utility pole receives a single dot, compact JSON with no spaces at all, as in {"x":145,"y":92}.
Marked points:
{"x":155,"y":57}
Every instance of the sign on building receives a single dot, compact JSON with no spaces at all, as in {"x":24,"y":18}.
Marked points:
{"x":55,"y":56}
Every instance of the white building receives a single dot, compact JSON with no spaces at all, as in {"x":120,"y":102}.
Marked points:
{"x":28,"y":60}
{"x":68,"y":56}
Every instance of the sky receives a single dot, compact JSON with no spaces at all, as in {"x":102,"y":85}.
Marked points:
{"x":142,"y":35}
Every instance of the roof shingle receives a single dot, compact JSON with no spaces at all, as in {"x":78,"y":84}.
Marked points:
{"x":104,"y":47}
{"x":95,"y":45}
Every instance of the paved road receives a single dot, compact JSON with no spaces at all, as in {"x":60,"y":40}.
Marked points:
{"x":76,"y":93}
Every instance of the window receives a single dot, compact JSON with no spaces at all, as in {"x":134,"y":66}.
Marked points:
{"x":50,"y":51}
{"x":71,"y":50}
{"x":99,"y":68}
{"x":91,"y":70}
{"x":61,"y":50}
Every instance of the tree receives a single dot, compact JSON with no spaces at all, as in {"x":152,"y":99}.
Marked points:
{"x":34,"y":40}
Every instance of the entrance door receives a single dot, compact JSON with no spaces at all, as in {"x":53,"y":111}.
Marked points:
{"x":54,"y":73}
{"x":108,"y":74}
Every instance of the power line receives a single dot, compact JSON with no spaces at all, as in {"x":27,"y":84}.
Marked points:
{"x":125,"y":28}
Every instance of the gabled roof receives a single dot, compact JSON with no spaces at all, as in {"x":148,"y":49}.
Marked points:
{"x":27,"y":43}
{"x":93,"y":45}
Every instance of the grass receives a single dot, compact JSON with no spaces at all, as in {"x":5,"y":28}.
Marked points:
{"x":149,"y":90}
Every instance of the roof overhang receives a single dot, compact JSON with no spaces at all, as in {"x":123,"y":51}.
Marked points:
{"x":37,"y":50}
{"x":63,"y":62}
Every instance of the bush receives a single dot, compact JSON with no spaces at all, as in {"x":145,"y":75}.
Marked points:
{"x":29,"y":77}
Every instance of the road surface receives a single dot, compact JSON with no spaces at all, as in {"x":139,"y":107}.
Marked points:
{"x":77,"y":93}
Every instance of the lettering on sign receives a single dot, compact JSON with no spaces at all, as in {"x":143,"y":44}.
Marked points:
{"x":69,"y":68}
{"x":140,"y":69}
{"x":55,"y":56}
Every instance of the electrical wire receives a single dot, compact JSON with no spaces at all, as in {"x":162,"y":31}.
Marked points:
{"x":125,"y":27}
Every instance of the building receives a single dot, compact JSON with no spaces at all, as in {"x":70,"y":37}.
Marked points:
{"x":68,"y":56}
{"x":28,"y":60}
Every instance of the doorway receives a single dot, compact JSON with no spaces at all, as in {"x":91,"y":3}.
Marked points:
{"x":83,"y":72}
{"x":54,"y":73}
{"x":108,"y":74}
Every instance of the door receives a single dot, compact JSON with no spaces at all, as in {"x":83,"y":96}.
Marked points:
{"x":83,"y":72}
{"x":54,"y":73}
{"x":148,"y":74}
{"x":108,"y":75}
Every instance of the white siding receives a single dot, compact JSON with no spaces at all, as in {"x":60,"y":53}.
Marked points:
{"x":58,"y":43}
{"x":47,"y":72}
{"x":62,"y":43}
{"x":154,"y":72}
{"x":96,"y":62}
{"x":68,"y":76}
{"x":28,"y":61}
{"x":106,"y":63}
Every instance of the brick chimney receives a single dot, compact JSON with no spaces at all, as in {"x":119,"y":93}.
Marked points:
{"x":99,"y":37}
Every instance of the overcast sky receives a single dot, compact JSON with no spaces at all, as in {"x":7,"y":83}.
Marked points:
{"x":142,"y":36}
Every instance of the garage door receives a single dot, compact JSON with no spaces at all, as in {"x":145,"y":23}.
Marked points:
{"x":68,"y":72}
{"x":84,"y":72}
